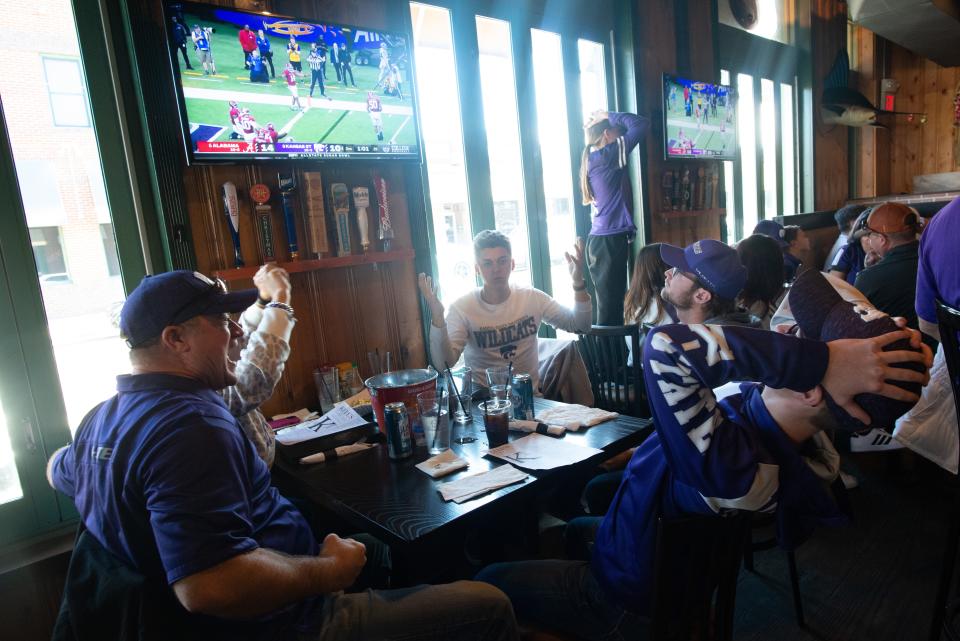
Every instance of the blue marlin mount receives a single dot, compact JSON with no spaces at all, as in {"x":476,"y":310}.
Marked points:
{"x":841,"y":105}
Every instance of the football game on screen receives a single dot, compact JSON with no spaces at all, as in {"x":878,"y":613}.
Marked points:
{"x":700,"y":119}
{"x":267,"y":85}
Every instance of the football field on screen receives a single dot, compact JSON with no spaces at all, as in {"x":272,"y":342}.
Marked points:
{"x":343,"y":119}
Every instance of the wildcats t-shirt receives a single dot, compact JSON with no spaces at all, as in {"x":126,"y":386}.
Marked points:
{"x":494,"y":335}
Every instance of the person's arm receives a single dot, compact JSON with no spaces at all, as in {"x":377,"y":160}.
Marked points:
{"x":580,"y":318}
{"x":927,"y":293}
{"x":636,"y":127}
{"x":263,"y":581}
{"x":59,"y":474}
{"x":682,"y":364}
{"x":448,"y":335}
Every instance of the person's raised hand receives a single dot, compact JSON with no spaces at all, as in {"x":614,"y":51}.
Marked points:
{"x":429,"y":292}
{"x":859,"y":366}
{"x":575,"y":263}
{"x":259,"y":282}
{"x":278,"y":284}
{"x":347,"y":558}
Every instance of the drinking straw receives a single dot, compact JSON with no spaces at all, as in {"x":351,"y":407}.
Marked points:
{"x":436,"y":429}
{"x":454,"y":382}
{"x":509,"y":377}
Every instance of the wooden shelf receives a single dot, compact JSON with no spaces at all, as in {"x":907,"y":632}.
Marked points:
{"x":336,"y":262}
{"x":691,"y":213}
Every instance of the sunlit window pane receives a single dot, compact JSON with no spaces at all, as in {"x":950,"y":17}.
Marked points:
{"x":503,"y":140}
{"x":748,"y":150}
{"x":548,"y":77}
{"x":593,"y":78}
{"x":61,"y":184}
{"x":768,"y":139}
{"x":788,"y":129}
{"x":10,"y":489}
{"x":731,"y":203}
{"x":442,"y":131}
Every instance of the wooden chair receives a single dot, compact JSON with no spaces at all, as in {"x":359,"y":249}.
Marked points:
{"x":617,"y":386}
{"x":695,"y":579}
{"x":944,"y":615}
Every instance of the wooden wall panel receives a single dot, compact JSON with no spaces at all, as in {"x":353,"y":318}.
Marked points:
{"x":911,"y":148}
{"x":657,"y":36}
{"x":830,"y":154}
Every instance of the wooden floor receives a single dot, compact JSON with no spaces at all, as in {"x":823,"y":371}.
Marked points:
{"x":872,"y":581}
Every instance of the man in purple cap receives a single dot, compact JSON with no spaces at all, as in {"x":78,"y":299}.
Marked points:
{"x":166,"y":482}
{"x":759,"y":450}
{"x":703,"y":283}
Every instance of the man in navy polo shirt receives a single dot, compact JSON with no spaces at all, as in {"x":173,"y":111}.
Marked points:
{"x":164,"y":479}
{"x":759,"y":450}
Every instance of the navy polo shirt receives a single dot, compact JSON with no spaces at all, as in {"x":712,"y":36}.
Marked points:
{"x":164,"y":478}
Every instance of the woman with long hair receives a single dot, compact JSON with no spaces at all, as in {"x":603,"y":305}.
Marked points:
{"x":643,"y":304}
{"x":605,"y":185}
{"x":763,"y":258}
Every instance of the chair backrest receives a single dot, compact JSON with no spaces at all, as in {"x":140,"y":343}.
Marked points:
{"x":695,"y":576}
{"x":948,"y":319}
{"x":617,"y":383}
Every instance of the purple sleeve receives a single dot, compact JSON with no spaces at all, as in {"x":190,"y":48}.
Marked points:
{"x":63,"y":472}
{"x":925,"y":301}
{"x":682,"y":365}
{"x":198,"y":486}
{"x":615,"y":154}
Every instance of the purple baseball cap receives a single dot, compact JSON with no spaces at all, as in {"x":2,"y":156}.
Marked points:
{"x":716,"y":265}
{"x":772,"y":229}
{"x":175,"y":297}
{"x":822,"y":314}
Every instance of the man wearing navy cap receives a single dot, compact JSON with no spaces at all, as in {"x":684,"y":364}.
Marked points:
{"x":759,"y":450}
{"x":165,"y":480}
{"x":703,"y":283}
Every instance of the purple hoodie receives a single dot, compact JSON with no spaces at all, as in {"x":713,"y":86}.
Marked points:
{"x":612,"y":210}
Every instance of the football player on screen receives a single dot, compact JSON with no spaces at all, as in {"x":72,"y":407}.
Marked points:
{"x":375,"y":109}
{"x":290,"y":75}
{"x":201,"y":43}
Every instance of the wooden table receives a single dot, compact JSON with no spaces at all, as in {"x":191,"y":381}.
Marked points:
{"x":400,"y":505}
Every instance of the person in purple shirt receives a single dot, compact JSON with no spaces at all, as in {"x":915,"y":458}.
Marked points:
{"x":605,"y":184}
{"x":165,"y":480}
{"x":760,"y":450}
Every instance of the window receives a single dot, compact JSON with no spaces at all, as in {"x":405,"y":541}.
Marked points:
{"x":68,"y":99}
{"x":69,"y":236}
{"x":496,"y":90}
{"x":48,"y":253}
{"x":439,"y":103}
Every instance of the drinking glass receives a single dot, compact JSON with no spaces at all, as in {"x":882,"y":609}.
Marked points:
{"x":434,"y":413}
{"x":327,"y":381}
{"x":496,"y":420}
{"x":461,"y":390}
{"x":498,"y":378}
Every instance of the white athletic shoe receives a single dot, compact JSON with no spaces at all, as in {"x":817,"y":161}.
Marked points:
{"x":874,"y":441}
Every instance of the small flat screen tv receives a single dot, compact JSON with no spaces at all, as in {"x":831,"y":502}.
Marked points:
{"x":699,"y":120}
{"x":256,"y":95}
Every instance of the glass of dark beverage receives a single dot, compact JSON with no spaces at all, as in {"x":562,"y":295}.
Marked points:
{"x":496,"y":420}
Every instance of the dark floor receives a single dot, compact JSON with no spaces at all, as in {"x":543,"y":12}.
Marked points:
{"x":872,"y":581}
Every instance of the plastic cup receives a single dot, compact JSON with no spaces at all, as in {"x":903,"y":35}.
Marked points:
{"x":496,"y":420}
{"x":464,"y":385}
{"x":434,"y":416}
{"x":327,"y":381}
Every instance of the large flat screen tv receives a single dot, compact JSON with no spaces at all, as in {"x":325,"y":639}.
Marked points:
{"x":248,"y":87}
{"x":699,"y":120}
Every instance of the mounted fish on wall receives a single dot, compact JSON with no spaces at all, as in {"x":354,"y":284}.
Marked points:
{"x":744,"y":12}
{"x":841,"y":105}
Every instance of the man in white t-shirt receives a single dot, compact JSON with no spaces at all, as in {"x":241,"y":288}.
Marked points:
{"x":498,"y":323}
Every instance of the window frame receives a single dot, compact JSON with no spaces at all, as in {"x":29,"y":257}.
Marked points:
{"x":44,"y":512}
{"x":44,"y":58}
{"x":741,"y":52}
{"x":578,"y":23}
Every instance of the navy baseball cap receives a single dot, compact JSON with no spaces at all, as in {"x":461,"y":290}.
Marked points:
{"x":772,"y":229}
{"x":716,"y":265}
{"x":823,"y":314}
{"x":176,"y":297}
